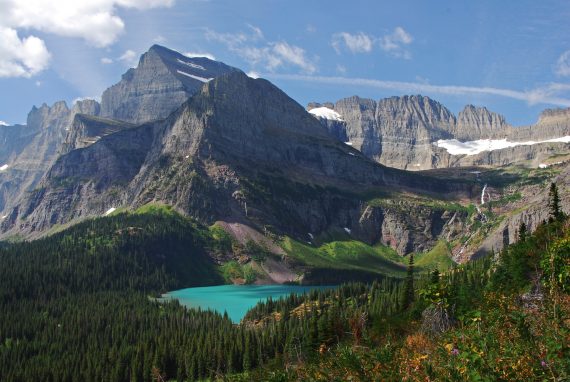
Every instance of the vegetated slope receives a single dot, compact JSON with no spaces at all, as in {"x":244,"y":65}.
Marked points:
{"x":70,"y":310}
{"x":73,"y":303}
{"x":504,"y":318}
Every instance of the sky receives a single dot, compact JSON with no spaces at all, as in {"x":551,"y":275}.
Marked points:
{"x":512,"y":57}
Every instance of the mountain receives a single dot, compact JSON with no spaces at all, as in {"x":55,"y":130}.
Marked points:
{"x":240,"y":151}
{"x":28,"y":151}
{"x":403,"y":132}
{"x":162,"y":81}
{"x":477,"y":122}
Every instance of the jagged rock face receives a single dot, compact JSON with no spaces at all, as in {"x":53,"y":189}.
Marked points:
{"x":534,"y":209}
{"x":88,"y":129}
{"x":162,"y":81}
{"x":239,"y":150}
{"x":32,"y":149}
{"x":400,"y":132}
{"x":397,"y":131}
{"x":477,"y":122}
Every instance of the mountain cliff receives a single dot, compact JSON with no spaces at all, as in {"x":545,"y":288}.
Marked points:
{"x":30,"y":150}
{"x":403,"y":132}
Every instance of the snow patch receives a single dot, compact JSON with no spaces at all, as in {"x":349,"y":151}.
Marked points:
{"x":3,"y":167}
{"x":311,"y":235}
{"x":253,"y":74}
{"x":347,"y":230}
{"x":455,"y":147}
{"x":191,"y":64}
{"x":546,"y":165}
{"x":326,"y":113}
{"x":187,"y":156}
{"x":351,"y":154}
{"x":110,"y":211}
{"x":2,"y":123}
{"x":348,"y":143}
{"x":3,"y":217}
{"x":195,"y":77}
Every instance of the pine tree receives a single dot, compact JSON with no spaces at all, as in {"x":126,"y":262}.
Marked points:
{"x":554,"y":203}
{"x":434,"y":277}
{"x":409,"y":287}
{"x":522,"y":232}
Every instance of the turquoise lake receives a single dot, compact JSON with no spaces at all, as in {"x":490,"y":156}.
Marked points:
{"x":234,"y":299}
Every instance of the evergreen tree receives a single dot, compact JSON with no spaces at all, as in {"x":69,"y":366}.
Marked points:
{"x":554,"y":203}
{"x":522,"y":232}
{"x":408,"y":298}
{"x":434,"y":276}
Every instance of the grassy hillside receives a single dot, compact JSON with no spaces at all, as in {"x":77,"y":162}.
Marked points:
{"x":439,"y":257}
{"x":350,"y":254}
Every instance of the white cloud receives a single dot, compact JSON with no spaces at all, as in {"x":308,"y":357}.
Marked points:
{"x":356,"y":43}
{"x":552,"y":94}
{"x":200,"y":54}
{"x":21,"y":57}
{"x":257,"y":33}
{"x":2,"y":123}
{"x":294,"y":55}
{"x":106,"y":60}
{"x":129,"y":57}
{"x":38,"y":83}
{"x":95,"y":21}
{"x":341,"y":69}
{"x":253,"y":47}
{"x":394,"y":43}
{"x":563,"y":64}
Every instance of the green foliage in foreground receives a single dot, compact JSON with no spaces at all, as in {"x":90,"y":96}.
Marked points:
{"x":499,"y":332}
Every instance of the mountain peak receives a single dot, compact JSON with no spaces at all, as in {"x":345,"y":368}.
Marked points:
{"x":163,"y":80}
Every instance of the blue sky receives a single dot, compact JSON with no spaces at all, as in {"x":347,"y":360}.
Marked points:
{"x":511,"y":56}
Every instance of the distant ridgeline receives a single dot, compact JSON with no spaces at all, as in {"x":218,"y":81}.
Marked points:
{"x":77,"y":306}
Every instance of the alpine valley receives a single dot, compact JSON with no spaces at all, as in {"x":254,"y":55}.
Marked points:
{"x":191,"y":173}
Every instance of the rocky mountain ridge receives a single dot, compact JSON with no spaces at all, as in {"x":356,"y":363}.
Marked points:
{"x":401,"y":132}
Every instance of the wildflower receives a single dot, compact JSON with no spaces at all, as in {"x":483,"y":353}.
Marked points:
{"x":543,"y":363}
{"x":455,"y":352}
